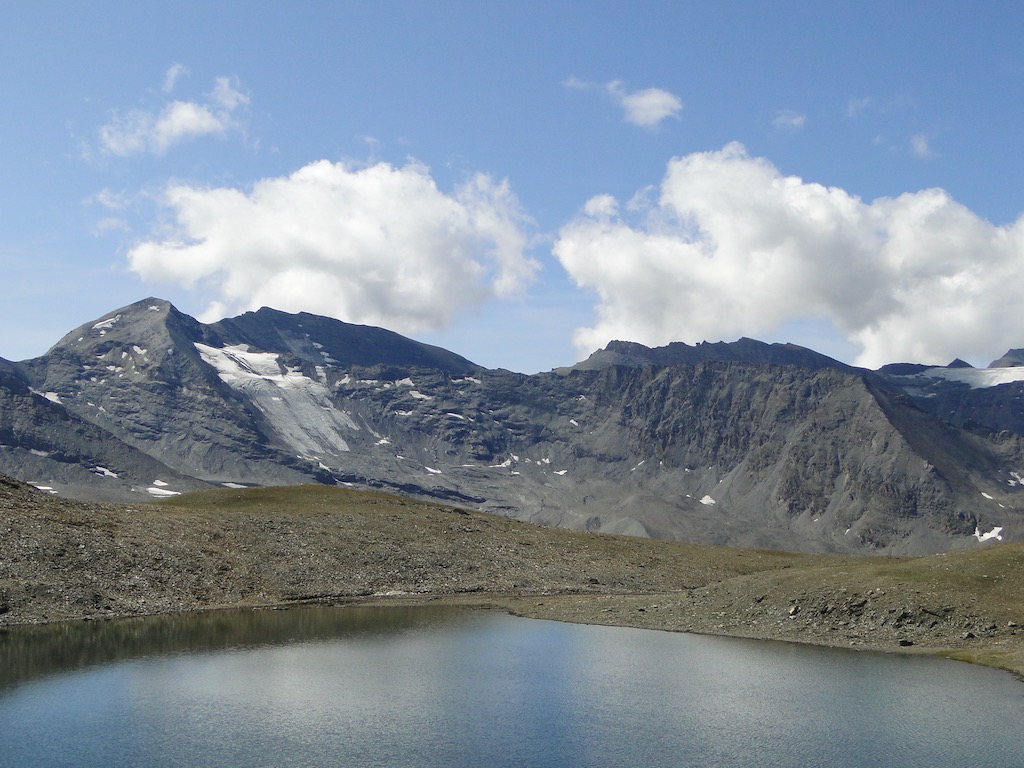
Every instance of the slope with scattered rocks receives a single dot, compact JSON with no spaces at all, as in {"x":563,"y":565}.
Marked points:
{"x":63,"y":560}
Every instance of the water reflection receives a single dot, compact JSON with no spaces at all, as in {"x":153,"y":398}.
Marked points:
{"x":28,"y":652}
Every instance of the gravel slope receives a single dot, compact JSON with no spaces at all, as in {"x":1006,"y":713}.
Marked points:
{"x":63,"y":560}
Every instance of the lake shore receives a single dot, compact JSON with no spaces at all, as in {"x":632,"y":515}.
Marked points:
{"x":272,"y":548}
{"x":680,"y":612}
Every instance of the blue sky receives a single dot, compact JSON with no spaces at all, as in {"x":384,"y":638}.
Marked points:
{"x":522,"y":182}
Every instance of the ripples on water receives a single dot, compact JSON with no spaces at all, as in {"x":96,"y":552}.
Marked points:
{"x":440,"y":687}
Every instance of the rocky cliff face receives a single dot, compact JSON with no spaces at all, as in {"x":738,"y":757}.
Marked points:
{"x":746,"y":444}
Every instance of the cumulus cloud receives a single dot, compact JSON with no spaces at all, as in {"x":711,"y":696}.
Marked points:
{"x":733,"y":247}
{"x":646,"y":108}
{"x":380,"y":245}
{"x":140,"y":131}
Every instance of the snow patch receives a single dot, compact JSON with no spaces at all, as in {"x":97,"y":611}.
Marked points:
{"x":976,"y":378}
{"x":233,"y":485}
{"x":433,"y":471}
{"x":506,"y":463}
{"x":104,"y":472}
{"x":106,"y":324}
{"x":160,"y":483}
{"x":419,"y":395}
{"x":53,"y":397}
{"x":46,"y":488}
{"x":406,"y":382}
{"x":574,"y":422}
{"x":707,"y":500}
{"x":299,"y":408}
{"x":37,"y":452}
{"x":383,"y":441}
{"x":561,"y":471}
{"x":996,"y":533}
{"x":153,"y":491}
{"x":985,"y":495}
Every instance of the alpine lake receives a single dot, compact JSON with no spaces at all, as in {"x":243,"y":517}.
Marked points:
{"x":437,"y":686}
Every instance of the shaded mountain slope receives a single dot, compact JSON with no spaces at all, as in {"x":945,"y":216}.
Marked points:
{"x":45,"y":443}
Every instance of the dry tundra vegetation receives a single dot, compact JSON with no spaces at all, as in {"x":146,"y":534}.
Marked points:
{"x":63,"y":560}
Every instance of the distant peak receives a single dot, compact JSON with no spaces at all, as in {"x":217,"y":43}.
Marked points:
{"x":743,"y":350}
{"x":1014,"y":358}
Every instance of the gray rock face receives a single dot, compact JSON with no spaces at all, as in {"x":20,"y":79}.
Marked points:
{"x":975,"y":399}
{"x":44,"y":443}
{"x":746,"y":444}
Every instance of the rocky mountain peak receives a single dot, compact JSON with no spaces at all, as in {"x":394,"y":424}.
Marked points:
{"x":325,"y":341}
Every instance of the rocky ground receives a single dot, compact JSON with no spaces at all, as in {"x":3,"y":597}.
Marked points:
{"x":62,"y":560}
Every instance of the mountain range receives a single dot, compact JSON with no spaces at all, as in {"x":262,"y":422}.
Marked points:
{"x":743,"y":443}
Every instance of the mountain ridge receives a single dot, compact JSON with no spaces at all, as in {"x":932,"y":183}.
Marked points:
{"x":742,"y":443}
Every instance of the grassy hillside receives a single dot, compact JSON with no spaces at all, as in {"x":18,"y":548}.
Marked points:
{"x":277,"y":546}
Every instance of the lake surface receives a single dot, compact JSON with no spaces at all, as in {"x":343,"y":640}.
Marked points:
{"x":443,"y":687}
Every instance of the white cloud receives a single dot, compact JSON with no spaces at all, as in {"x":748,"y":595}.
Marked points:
{"x":226,"y":95}
{"x":646,"y":108}
{"x":147,"y":131}
{"x":601,"y":205}
{"x":172,"y":75}
{"x":378,"y":245}
{"x":111,"y":200}
{"x":732,"y":247}
{"x":788,"y":120}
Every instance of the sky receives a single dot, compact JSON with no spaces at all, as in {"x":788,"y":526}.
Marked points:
{"x":521,"y":183}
